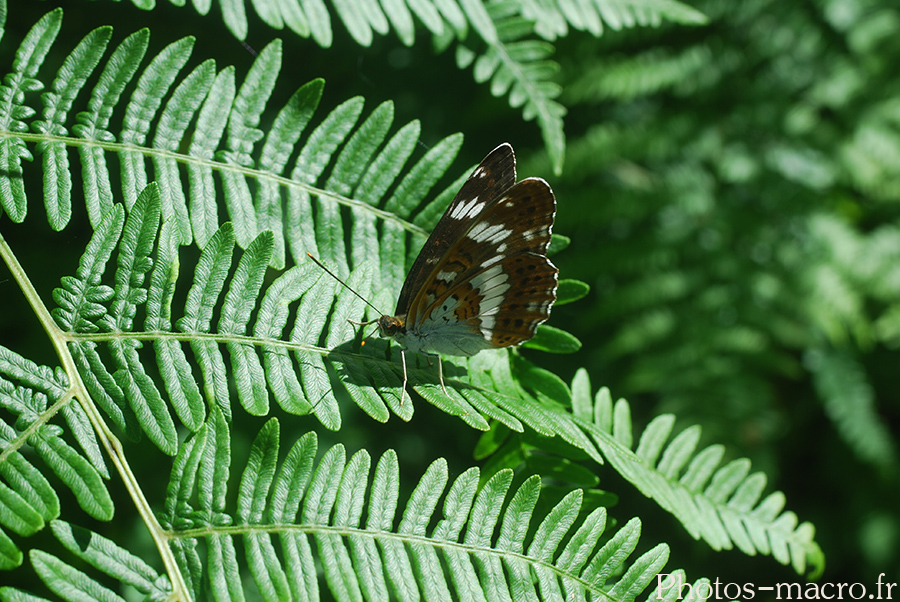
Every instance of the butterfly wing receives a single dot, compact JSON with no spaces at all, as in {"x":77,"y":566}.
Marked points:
{"x":495,"y":282}
{"x":495,"y":173}
{"x":509,"y":316}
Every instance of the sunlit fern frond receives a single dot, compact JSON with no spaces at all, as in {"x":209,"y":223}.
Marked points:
{"x":363,"y":20}
{"x":148,"y":350}
{"x":303,"y":375}
{"x":723,"y":505}
{"x":305,"y":525}
{"x":182,"y":129}
{"x":209,"y":126}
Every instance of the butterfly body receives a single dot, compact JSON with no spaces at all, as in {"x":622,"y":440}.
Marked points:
{"x":436,"y":337}
{"x":482,"y":279}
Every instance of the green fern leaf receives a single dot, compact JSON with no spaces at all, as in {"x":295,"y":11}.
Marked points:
{"x":270,"y":323}
{"x":255,"y":483}
{"x":92,"y":123}
{"x":412,"y":190}
{"x":22,"y":478}
{"x":635,"y":76}
{"x":10,"y":555}
{"x":103,"y":554}
{"x":289,"y":489}
{"x":173,"y":125}
{"x":202,"y":299}
{"x":850,"y":401}
{"x":384,"y":169}
{"x":411,"y":560}
{"x":239,"y":303}
{"x":17,"y":514}
{"x":82,"y":429}
{"x":641,"y":574}
{"x":72,"y":76}
{"x":243,"y":134}
{"x":521,"y":68}
{"x":31,"y":404}
{"x":80,"y":299}
{"x":75,"y":472}
{"x":141,"y":111}
{"x":552,"y":18}
{"x":207,"y":133}
{"x":290,"y":122}
{"x":184,"y":393}
{"x":67,"y":581}
{"x":553,"y":340}
{"x":365,"y":193}
{"x":235,"y":16}
{"x":29,"y":57}
{"x":570,"y":290}
{"x":315,"y":155}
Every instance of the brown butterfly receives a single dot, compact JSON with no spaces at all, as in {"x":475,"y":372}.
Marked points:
{"x":483,"y":279}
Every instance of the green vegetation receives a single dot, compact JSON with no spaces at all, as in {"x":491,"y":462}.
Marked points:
{"x":185,"y":409}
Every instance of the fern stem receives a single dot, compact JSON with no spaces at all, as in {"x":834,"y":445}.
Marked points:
{"x":109,"y":441}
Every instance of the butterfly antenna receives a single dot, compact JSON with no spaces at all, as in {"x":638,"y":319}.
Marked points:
{"x":332,"y":274}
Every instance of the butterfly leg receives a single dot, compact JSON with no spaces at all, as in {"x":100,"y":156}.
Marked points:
{"x":403,"y":389}
{"x":441,"y":375}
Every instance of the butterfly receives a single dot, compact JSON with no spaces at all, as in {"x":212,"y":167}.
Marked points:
{"x":482,"y":280}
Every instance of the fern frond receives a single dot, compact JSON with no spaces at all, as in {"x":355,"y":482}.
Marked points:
{"x":363,"y":20}
{"x":30,"y":55}
{"x":315,"y":510}
{"x":625,"y":78}
{"x":850,"y":402}
{"x":27,"y":498}
{"x":551,"y":18}
{"x":348,"y":165}
{"x":100,"y":554}
{"x":481,"y":545}
{"x":77,"y":67}
{"x":92,"y":124}
{"x":723,"y":506}
{"x":514,"y":64}
{"x":521,"y":68}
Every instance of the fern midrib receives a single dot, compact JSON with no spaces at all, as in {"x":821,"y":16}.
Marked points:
{"x":109,"y":441}
{"x":118,"y":147}
{"x":16,"y":444}
{"x":224,"y":338}
{"x":407,"y":538}
{"x":219,"y":338}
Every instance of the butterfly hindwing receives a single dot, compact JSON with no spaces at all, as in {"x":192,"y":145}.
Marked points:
{"x":527,"y":303}
{"x":495,"y":174}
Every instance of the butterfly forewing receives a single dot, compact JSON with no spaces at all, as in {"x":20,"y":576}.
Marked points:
{"x":495,"y":174}
{"x":496,"y":278}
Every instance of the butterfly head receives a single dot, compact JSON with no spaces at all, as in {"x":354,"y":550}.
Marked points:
{"x":388,"y":326}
